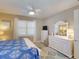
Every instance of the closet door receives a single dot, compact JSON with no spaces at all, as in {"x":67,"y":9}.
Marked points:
{"x":76,"y":34}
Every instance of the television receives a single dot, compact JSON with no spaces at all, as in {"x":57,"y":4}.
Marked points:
{"x":44,"y":28}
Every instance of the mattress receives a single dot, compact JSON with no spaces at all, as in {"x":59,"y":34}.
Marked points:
{"x":17,"y":49}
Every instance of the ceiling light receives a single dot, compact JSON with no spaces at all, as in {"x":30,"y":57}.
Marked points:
{"x":31,"y":13}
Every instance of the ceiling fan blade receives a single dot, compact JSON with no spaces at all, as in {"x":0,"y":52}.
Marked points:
{"x":29,"y":8}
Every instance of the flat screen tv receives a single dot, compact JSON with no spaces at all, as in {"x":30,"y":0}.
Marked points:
{"x":45,"y":28}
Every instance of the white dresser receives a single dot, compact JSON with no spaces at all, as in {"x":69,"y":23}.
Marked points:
{"x":61,"y":45}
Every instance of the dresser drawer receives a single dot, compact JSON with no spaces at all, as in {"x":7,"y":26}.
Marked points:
{"x":60,"y":44}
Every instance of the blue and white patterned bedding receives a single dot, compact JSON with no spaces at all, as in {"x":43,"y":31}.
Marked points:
{"x":17,"y":49}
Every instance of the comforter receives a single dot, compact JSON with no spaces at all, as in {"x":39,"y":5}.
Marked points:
{"x":17,"y":49}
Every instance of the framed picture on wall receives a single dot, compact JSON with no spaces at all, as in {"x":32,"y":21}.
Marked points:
{"x":5,"y":25}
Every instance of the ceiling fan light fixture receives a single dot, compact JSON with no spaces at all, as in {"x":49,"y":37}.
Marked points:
{"x":31,"y":13}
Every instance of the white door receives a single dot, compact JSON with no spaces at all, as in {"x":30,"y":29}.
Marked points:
{"x":76,"y":34}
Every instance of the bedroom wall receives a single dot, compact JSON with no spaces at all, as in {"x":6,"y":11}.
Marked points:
{"x":12,"y":17}
{"x":8,"y":18}
{"x":67,"y":15}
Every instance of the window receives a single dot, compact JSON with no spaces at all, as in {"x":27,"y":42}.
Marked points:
{"x":31,"y":27}
{"x":26,"y":28}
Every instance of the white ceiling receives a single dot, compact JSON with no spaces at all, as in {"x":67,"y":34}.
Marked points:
{"x":47,"y":7}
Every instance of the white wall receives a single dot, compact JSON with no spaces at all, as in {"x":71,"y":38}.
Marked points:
{"x":50,"y":21}
{"x":64,"y":15}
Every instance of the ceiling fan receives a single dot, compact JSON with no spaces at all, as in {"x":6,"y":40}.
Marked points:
{"x":32,"y":10}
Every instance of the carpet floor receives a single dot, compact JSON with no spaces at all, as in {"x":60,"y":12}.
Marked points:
{"x":53,"y":54}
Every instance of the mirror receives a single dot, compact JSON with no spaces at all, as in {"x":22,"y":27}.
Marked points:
{"x":61,"y":28}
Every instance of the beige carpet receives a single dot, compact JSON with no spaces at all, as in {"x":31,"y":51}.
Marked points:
{"x":52,"y":54}
{"x":49,"y":53}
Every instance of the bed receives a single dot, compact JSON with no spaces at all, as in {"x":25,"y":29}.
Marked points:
{"x":17,"y":49}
